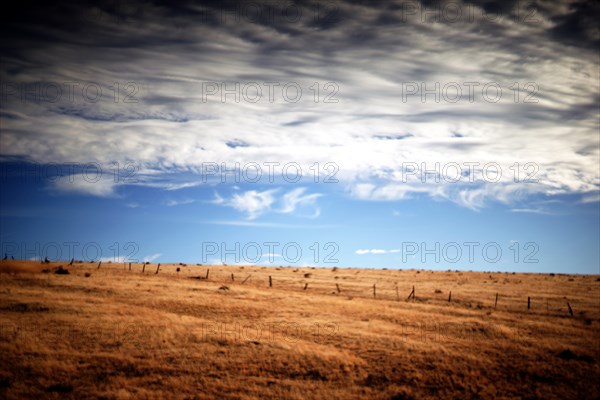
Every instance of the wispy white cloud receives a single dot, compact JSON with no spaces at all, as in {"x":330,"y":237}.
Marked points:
{"x":218,"y":199}
{"x":179,"y":186}
{"x":86,"y":185}
{"x":253,"y":203}
{"x":295,"y":198}
{"x":591,"y":198}
{"x":361,"y":252}
{"x":173,"y":203}
{"x":256,"y":203}
{"x":532,"y":211}
{"x":259,"y":224}
{"x":152,"y":257}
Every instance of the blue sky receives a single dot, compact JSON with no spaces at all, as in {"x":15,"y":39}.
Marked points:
{"x":331,"y":228}
{"x":113,"y":133}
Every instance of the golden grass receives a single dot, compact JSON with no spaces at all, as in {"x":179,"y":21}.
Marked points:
{"x":120,"y":334}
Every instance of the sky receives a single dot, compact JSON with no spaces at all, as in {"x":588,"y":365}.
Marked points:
{"x":381,"y":134}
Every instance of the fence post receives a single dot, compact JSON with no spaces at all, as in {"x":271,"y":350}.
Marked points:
{"x":397,"y":294}
{"x":207,"y":271}
{"x":570,"y":309}
{"x":374,"y":291}
{"x":305,"y":286}
{"x":130,"y":266}
{"x":496,"y":302}
{"x":99,"y":264}
{"x":528,"y":302}
{"x":450,"y":296}
{"x":232,"y":278}
{"x":270,"y":281}
{"x":157,"y":267}
{"x":144,"y":268}
{"x":338,"y":288}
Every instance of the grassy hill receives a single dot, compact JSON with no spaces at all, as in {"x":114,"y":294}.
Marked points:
{"x":116,"y":333}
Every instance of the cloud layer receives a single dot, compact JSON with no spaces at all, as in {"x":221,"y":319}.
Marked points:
{"x":384,"y":86}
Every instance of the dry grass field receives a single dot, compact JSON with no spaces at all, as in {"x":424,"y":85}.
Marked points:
{"x":112,"y":333}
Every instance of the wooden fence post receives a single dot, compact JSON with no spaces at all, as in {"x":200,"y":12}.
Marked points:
{"x":338,"y":288}
{"x":450,"y":296}
{"x":397,"y":294}
{"x":305,"y":286}
{"x":528,"y":302}
{"x":412,"y":294}
{"x":374,"y":291}
{"x":232,"y":278}
{"x":496,"y":302}
{"x":570,"y":309}
{"x":157,"y":267}
{"x":207,"y":271}
{"x":130,"y":266}
{"x":270,"y":281}
{"x":99,"y":264}
{"x":144,"y":268}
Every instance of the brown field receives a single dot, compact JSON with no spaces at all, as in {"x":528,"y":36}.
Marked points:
{"x":119,"y":334}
